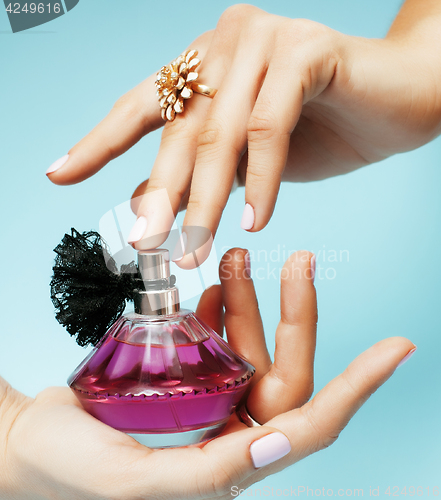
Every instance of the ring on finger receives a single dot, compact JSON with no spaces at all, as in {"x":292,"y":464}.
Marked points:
{"x":176,"y":82}
{"x":245,"y":417}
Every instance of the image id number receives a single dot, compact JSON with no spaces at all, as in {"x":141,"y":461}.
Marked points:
{"x":33,"y":8}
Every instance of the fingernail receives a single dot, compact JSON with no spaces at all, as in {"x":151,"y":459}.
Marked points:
{"x":138,"y":230}
{"x":407,"y":357}
{"x":313,"y":268}
{"x":179,"y":251}
{"x":268,"y":449}
{"x":247,"y":217}
{"x":247,"y":263}
{"x":57,"y":164}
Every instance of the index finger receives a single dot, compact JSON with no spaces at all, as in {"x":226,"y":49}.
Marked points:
{"x":134,"y":115}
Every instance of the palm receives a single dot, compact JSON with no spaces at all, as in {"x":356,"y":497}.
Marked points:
{"x":65,"y":453}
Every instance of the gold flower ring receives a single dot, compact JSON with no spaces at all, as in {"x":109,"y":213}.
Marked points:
{"x":177,"y":82}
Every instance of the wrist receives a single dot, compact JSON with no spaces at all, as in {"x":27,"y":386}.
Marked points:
{"x":401,"y":83}
{"x":12,"y":403}
{"x":420,"y":60}
{"x":415,"y":32}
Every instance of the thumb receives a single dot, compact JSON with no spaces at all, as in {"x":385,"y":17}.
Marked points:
{"x":221,"y":464}
{"x":318,"y":423}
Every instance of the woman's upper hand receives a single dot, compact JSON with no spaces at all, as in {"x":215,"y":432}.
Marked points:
{"x":51,"y":448}
{"x":296,"y":101}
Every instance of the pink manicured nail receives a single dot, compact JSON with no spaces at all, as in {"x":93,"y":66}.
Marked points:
{"x":138,"y":230}
{"x":268,"y":449}
{"x":179,"y":251}
{"x":313,"y":268}
{"x":247,"y":217}
{"x":407,"y":357}
{"x":247,"y":264}
{"x":57,"y":164}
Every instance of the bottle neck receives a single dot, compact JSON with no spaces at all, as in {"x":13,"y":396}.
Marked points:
{"x":157,"y":302}
{"x":158,"y":296}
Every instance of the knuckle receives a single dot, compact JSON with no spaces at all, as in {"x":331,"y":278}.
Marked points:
{"x":256,"y":175}
{"x":346,"y":376}
{"x":323,"y":437}
{"x":126,"y":105}
{"x":315,"y":44}
{"x":195,"y":205}
{"x":211,"y":135}
{"x":178,"y":132}
{"x":129,"y":109}
{"x":48,"y":393}
{"x":262,"y":124}
{"x":296,"y":316}
{"x":364,"y":380}
{"x":153,"y":184}
{"x":235,"y":14}
{"x":216,"y":139}
{"x":299,"y":395}
{"x":198,"y":204}
{"x":222,"y":480}
{"x":204,"y":38}
{"x":303,"y":30}
{"x":109,"y":148}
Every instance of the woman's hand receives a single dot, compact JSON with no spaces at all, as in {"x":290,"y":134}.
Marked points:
{"x":296,"y":101}
{"x":52,"y":448}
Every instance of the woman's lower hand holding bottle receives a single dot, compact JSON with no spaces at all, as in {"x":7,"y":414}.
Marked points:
{"x":52,"y":448}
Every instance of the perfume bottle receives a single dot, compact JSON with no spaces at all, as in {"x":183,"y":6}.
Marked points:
{"x":159,"y":373}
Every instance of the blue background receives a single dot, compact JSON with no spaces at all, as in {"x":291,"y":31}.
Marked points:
{"x":59,"y":79}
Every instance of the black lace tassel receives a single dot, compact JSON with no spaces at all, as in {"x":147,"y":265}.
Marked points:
{"x":87,"y":289}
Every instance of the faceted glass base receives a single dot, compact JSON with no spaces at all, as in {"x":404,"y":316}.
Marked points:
{"x":170,"y":380}
{"x":175,"y":439}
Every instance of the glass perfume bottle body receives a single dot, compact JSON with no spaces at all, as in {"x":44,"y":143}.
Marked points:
{"x":165,"y":380}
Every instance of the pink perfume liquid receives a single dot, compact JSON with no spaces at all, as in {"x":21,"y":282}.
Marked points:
{"x":173,"y":381}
